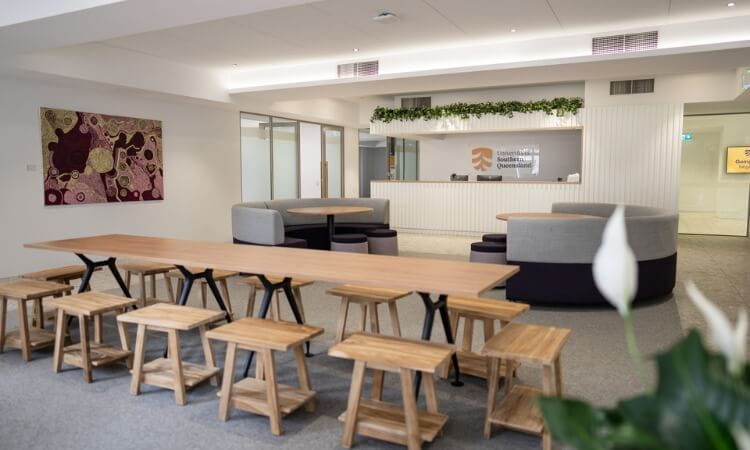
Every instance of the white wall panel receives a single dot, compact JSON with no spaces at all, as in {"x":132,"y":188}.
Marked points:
{"x":631,"y":154}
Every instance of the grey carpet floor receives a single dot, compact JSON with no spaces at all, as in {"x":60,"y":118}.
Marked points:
{"x":39,"y":409}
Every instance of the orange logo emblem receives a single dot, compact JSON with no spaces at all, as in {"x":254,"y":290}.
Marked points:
{"x":481,"y":158}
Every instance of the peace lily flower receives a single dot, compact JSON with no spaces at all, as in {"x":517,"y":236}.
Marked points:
{"x":616,"y":275}
{"x":741,"y":437}
{"x":731,"y":341}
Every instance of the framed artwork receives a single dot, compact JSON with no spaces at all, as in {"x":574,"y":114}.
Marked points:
{"x":100,"y":158}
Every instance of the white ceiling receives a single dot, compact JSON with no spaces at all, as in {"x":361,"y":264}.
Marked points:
{"x":330,"y":29}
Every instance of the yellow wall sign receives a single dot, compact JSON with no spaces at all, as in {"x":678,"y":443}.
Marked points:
{"x":738,"y":159}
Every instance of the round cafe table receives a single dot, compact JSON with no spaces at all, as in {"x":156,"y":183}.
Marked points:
{"x":330,"y":212}
{"x":542,"y":215}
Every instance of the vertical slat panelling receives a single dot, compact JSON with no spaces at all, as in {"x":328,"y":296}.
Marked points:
{"x":631,"y":153}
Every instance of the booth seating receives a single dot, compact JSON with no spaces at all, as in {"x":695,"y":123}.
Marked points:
{"x":263,"y":395}
{"x":484,"y":310}
{"x":530,"y":344}
{"x":171,"y":372}
{"x":89,"y":355}
{"x":500,"y":238}
{"x":28,"y":338}
{"x":270,"y":223}
{"x":256,"y":285}
{"x":382,"y":241}
{"x":144,"y":269}
{"x":352,"y":243}
{"x":400,"y":424}
{"x":220,"y":277}
{"x":555,"y":255}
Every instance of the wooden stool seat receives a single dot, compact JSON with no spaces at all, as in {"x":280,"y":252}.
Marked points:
{"x":89,"y":355}
{"x":220,"y":277}
{"x":530,"y":344}
{"x":255,"y":285}
{"x":487,"y":311}
{"x":404,"y":425}
{"x":262,"y":395}
{"x":143,"y":269}
{"x":171,"y":372}
{"x":369,"y":299}
{"x":23,"y":290}
{"x":64,"y":274}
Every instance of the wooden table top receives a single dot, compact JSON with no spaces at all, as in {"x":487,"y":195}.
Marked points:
{"x":527,"y":343}
{"x":90,"y":303}
{"x":393,"y":352}
{"x":175,"y":317}
{"x":262,"y":333}
{"x":330,"y":210}
{"x":395,"y":272}
{"x":543,"y":215}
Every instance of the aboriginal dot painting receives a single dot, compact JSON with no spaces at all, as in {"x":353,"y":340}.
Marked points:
{"x":98,"y":158}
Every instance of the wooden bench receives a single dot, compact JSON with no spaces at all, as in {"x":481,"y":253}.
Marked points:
{"x":263,"y":395}
{"x":487,"y":311}
{"x":85,"y":354}
{"x":220,"y":277}
{"x":171,"y":372}
{"x":368,"y":299}
{"x":404,"y":425}
{"x":149,"y":269}
{"x":530,"y":344}
{"x":24,"y":290}
{"x":256,"y":285}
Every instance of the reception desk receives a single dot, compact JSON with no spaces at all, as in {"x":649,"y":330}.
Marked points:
{"x":468,"y":206}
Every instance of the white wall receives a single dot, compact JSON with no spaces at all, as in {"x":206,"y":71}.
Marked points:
{"x":201,"y":173}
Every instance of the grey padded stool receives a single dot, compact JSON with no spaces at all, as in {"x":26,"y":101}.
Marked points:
{"x":352,"y":243}
{"x":382,"y":241}
{"x":500,"y":238}
{"x":488,"y":252}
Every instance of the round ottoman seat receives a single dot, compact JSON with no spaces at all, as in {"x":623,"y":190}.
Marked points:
{"x":352,"y":243}
{"x":488,"y":252}
{"x":382,"y":241}
{"x":500,"y":238}
{"x":293,"y":242}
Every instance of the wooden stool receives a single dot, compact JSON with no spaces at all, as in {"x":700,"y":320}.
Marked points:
{"x":62,"y":275}
{"x":145,"y":269}
{"x":368,"y":299}
{"x":85,"y":354}
{"x":256,"y":285}
{"x":398,"y":424}
{"x":220,"y":277}
{"x":530,"y":344}
{"x":172,"y":372}
{"x":262,"y":395}
{"x":487,"y":311}
{"x":25,"y":338}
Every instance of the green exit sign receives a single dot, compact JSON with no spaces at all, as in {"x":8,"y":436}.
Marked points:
{"x":687,"y":136}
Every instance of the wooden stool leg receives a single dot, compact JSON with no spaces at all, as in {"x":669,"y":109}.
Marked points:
{"x":300,"y":305}
{"x":374,"y":319}
{"x":225,"y":293}
{"x":493,"y":365}
{"x":272,"y":395}
{"x":3,"y":317}
{"x":153,"y":286}
{"x":140,"y":350}
{"x":228,"y":382}
{"x":23,"y":331}
{"x":57,"y":357}
{"x":352,"y":406}
{"x":275,"y":313}
{"x":170,"y":290}
{"x":142,"y":277}
{"x":38,"y":320}
{"x":259,"y":375}
{"x":124,"y":342}
{"x":454,"y":319}
{"x":363,"y":317}
{"x":509,"y":370}
{"x":98,"y":329}
{"x":430,"y":393}
{"x":208,"y":353}
{"x":83,"y":326}
{"x":180,"y":287}
{"x":176,"y":359}
{"x":468,"y":338}
{"x":558,"y":378}
{"x":547,"y":389}
{"x":378,"y":376}
{"x":343,"y":312}
{"x":250,"y":302}
{"x":204,"y":294}
{"x":489,"y":329}
{"x":395,"y":324}
{"x":127,"y":279}
{"x":304,"y":376}
{"x":413,"y":437}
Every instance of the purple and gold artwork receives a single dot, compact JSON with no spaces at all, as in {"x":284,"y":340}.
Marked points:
{"x":98,"y":158}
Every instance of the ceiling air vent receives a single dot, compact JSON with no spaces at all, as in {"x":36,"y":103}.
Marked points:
{"x":625,"y":87}
{"x":358,"y":69}
{"x":414,"y":102}
{"x":625,"y":43}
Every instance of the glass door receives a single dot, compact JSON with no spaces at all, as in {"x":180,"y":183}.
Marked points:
{"x":284,"y":146}
{"x":256,"y":157}
{"x":333,"y":161}
{"x":311,"y":160}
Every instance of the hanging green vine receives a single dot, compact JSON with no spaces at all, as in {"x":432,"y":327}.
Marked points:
{"x":559,"y":106}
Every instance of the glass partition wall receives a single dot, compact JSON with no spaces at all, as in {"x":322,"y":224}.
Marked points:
{"x":284,"y":158}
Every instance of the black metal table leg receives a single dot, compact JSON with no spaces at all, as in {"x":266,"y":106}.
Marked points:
{"x":92,"y":265}
{"x":331,"y":229}
{"x":431,"y":307}
{"x":208,"y":275}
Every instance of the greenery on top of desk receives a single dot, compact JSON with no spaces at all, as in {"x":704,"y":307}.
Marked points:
{"x":559,"y":106}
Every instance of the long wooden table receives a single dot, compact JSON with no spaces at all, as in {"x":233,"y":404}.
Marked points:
{"x":428,"y":277}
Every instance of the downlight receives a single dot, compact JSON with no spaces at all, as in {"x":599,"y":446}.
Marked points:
{"x":385,"y":17}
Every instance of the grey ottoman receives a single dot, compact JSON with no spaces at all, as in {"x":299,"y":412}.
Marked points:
{"x":352,"y":243}
{"x":488,"y":252}
{"x":383,"y":241}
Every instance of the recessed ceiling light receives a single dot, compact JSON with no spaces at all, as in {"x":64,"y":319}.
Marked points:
{"x":731,"y":4}
{"x":235,"y":65}
{"x":355,"y":50}
{"x":385,"y":17}
{"x":513,"y":30}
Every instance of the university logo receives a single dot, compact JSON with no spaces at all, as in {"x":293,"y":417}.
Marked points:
{"x":747,"y":153}
{"x":481,"y":158}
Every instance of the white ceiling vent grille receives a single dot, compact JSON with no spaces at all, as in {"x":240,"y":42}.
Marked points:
{"x":626,"y":87}
{"x":414,"y":102}
{"x":358,"y":69}
{"x":625,"y":43}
